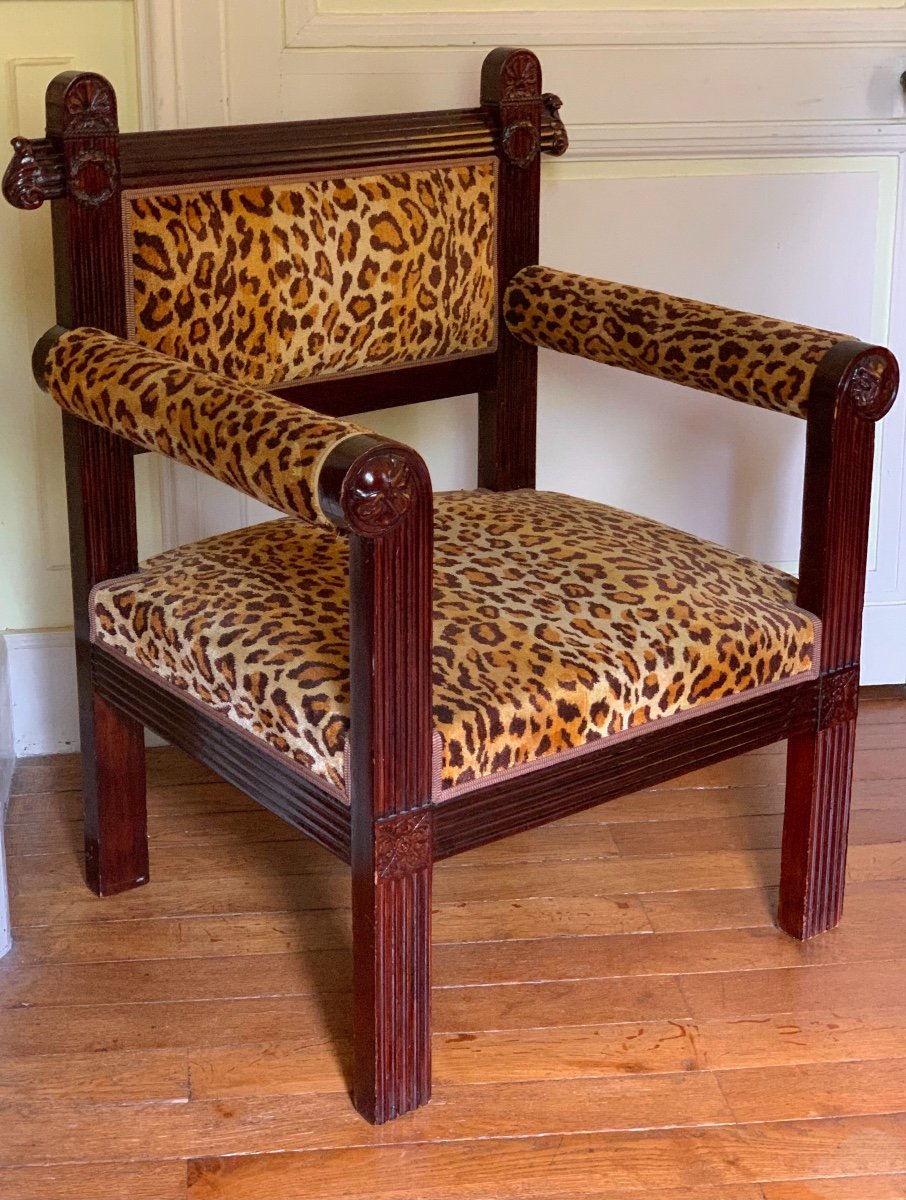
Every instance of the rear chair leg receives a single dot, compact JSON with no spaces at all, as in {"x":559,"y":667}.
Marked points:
{"x":116,"y":828}
{"x":815,"y":829}
{"x":391,"y":918}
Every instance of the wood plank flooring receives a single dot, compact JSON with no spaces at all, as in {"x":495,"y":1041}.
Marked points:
{"x":616,"y":1016}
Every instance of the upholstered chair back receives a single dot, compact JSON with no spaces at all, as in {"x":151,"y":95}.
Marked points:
{"x":290,"y":278}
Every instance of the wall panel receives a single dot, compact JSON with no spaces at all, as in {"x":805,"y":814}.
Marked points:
{"x":38,"y":41}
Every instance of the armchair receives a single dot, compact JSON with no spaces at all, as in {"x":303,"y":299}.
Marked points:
{"x":402,"y":675}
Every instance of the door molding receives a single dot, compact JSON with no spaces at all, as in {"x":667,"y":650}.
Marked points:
{"x":308,"y":25}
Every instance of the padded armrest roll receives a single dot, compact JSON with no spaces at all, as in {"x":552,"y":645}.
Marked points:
{"x":261,"y":444}
{"x":755,"y":359}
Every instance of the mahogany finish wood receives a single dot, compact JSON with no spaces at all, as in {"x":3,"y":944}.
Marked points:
{"x":243,"y":762}
{"x":171,"y":157}
{"x":379,"y":492}
{"x":853,"y":388}
{"x":582,"y":781}
{"x":387,"y":504}
{"x":507,"y":413}
{"x":81,"y":117}
{"x":346,"y":395}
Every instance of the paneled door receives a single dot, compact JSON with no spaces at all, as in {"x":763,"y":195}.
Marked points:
{"x":747,"y":152}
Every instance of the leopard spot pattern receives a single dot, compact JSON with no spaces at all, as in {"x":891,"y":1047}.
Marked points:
{"x":281,"y":280}
{"x":265,"y":446}
{"x":754,"y":359}
{"x":557,"y":621}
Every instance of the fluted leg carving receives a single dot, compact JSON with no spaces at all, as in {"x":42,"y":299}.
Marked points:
{"x":392,"y":972}
{"x":815,"y":829}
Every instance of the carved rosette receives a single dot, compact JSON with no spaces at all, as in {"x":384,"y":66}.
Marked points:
{"x":521,"y":143}
{"x":839,"y":697}
{"x":402,"y":844}
{"x":378,"y":493}
{"x":35,"y":174}
{"x":872,"y":382}
{"x":92,"y":177}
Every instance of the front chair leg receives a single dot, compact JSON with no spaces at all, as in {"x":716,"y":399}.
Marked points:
{"x":391,"y":927}
{"x":113,"y":769}
{"x":815,"y":829}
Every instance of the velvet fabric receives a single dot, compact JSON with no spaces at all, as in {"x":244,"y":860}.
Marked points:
{"x":557,"y":622}
{"x":757,"y":360}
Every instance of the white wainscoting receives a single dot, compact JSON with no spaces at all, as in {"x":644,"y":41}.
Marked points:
{"x":42,"y":679}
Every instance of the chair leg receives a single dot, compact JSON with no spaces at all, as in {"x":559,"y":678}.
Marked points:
{"x":116,"y":828}
{"x":391,"y":919}
{"x":815,"y":829}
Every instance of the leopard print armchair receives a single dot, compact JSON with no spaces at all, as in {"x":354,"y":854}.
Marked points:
{"x":400,"y":674}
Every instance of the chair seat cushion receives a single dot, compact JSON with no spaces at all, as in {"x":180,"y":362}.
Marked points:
{"x":557,"y":622}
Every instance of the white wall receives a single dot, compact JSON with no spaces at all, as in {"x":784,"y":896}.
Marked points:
{"x":749,"y":157}
{"x":37,"y":41}
{"x":7,"y":762}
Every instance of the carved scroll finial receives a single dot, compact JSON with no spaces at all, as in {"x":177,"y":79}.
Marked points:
{"x":556,"y":139}
{"x":871,"y":383}
{"x":378,"y":493}
{"x":35,"y":174}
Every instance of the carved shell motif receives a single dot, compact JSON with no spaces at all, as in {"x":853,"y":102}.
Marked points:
{"x":380,"y":493}
{"x":521,"y":78}
{"x":90,"y":107}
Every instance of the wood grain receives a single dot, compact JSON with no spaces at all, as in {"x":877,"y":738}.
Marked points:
{"x":97,"y":1181}
{"x":630,"y":1024}
{"x":639,"y":1162}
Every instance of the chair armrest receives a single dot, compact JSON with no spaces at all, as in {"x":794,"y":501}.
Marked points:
{"x":745,"y":357}
{"x":307,"y":465}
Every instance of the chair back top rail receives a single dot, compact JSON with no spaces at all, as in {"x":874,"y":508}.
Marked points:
{"x":170,"y":157}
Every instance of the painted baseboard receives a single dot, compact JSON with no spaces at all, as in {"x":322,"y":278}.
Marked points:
{"x":42,"y":684}
{"x":7,"y":762}
{"x":884,"y":644}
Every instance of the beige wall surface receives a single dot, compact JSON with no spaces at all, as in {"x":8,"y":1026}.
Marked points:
{"x":38,"y":39}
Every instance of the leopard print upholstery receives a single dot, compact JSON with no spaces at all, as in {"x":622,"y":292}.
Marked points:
{"x":267,"y":447}
{"x":287,"y":279}
{"x":739,"y":355}
{"x":556,"y":621}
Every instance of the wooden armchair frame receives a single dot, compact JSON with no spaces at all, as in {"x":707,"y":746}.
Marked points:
{"x":391,"y":833}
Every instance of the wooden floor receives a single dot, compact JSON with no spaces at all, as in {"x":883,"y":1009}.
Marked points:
{"x":615,"y":1014}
